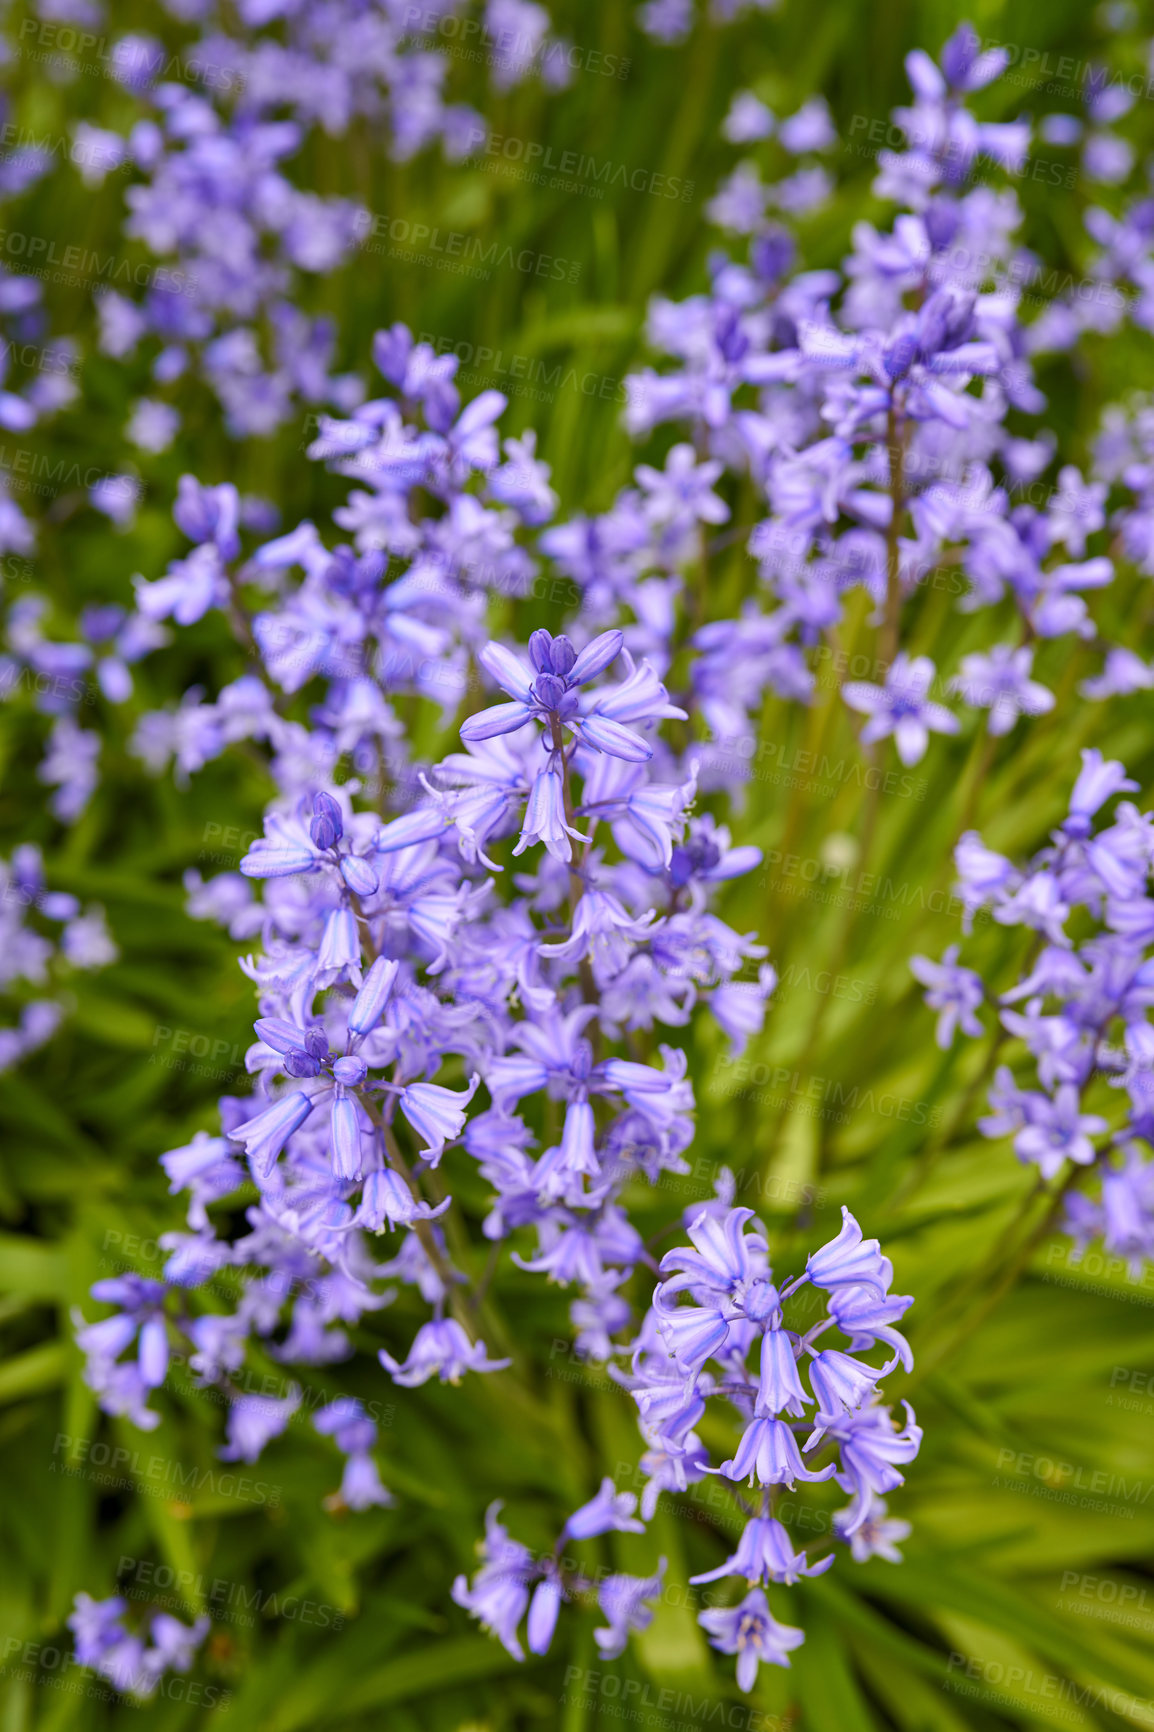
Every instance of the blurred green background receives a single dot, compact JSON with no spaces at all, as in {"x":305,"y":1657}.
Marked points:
{"x":1027,"y":1595}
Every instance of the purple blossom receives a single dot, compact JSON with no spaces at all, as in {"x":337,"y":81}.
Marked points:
{"x":750,"y":1631}
{"x":901,"y":707}
{"x":441,"y":1349}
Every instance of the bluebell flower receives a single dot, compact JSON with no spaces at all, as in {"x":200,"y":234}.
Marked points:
{"x":498,"y":1596}
{"x":849,"y":1260}
{"x":765,"y":1554}
{"x":440,"y":1349}
{"x":254,"y":1420}
{"x":1098,"y":781}
{"x":386,"y":1197}
{"x":1059,"y":1131}
{"x":133,"y":1663}
{"x":901,"y":707}
{"x":870,"y":1448}
{"x":610,"y":1511}
{"x":543,"y":1610}
{"x":953,"y":991}
{"x":750,"y":1631}
{"x":355,"y":1434}
{"x":768,"y":1455}
{"x":264,"y":1136}
{"x":779,"y":1388}
{"x":622,"y":1601}
{"x":125,"y":1386}
{"x":437,"y":1114}
{"x":999,"y":681}
{"x":876,"y":1535}
{"x":174,"y":1644}
{"x":545,"y":819}
{"x":840,"y":1382}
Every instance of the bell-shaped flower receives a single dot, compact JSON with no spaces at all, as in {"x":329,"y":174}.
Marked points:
{"x":850,"y":1260}
{"x":611,"y":1511}
{"x":840,"y":1382}
{"x":499,"y":1593}
{"x":768,"y":1453}
{"x":750,"y":1631}
{"x":545,"y":819}
{"x":622,"y":1600}
{"x":765,"y":1554}
{"x":436,"y":1114}
{"x":440,"y":1349}
{"x":254,"y":1420}
{"x":543,"y":1610}
{"x":386,"y":1197}
{"x":779,"y":1389}
{"x":265,"y":1136}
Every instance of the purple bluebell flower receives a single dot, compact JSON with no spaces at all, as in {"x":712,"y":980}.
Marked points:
{"x":254,"y":1420}
{"x":877,"y":1536}
{"x":849,"y":1260}
{"x":955,"y":992}
{"x":750,"y":1631}
{"x":133,"y":1663}
{"x":902,"y":708}
{"x":622,"y":1601}
{"x":610,"y":1511}
{"x":440,"y":1349}
{"x":1058,"y":1131}
{"x":498,"y":1596}
{"x":765,"y":1554}
{"x":999,"y":681}
{"x":436,"y":1114}
{"x":768,"y":1455}
{"x":264,"y":1137}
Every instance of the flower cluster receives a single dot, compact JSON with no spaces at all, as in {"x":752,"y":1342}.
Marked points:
{"x":499,"y":1594}
{"x":132,"y":1661}
{"x":215,"y":203}
{"x":489,"y":892}
{"x":1079,"y":1007}
{"x":690,"y":1353}
{"x":36,"y":959}
{"x":866,"y":412}
{"x":394,"y":979}
{"x":870,"y":410}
